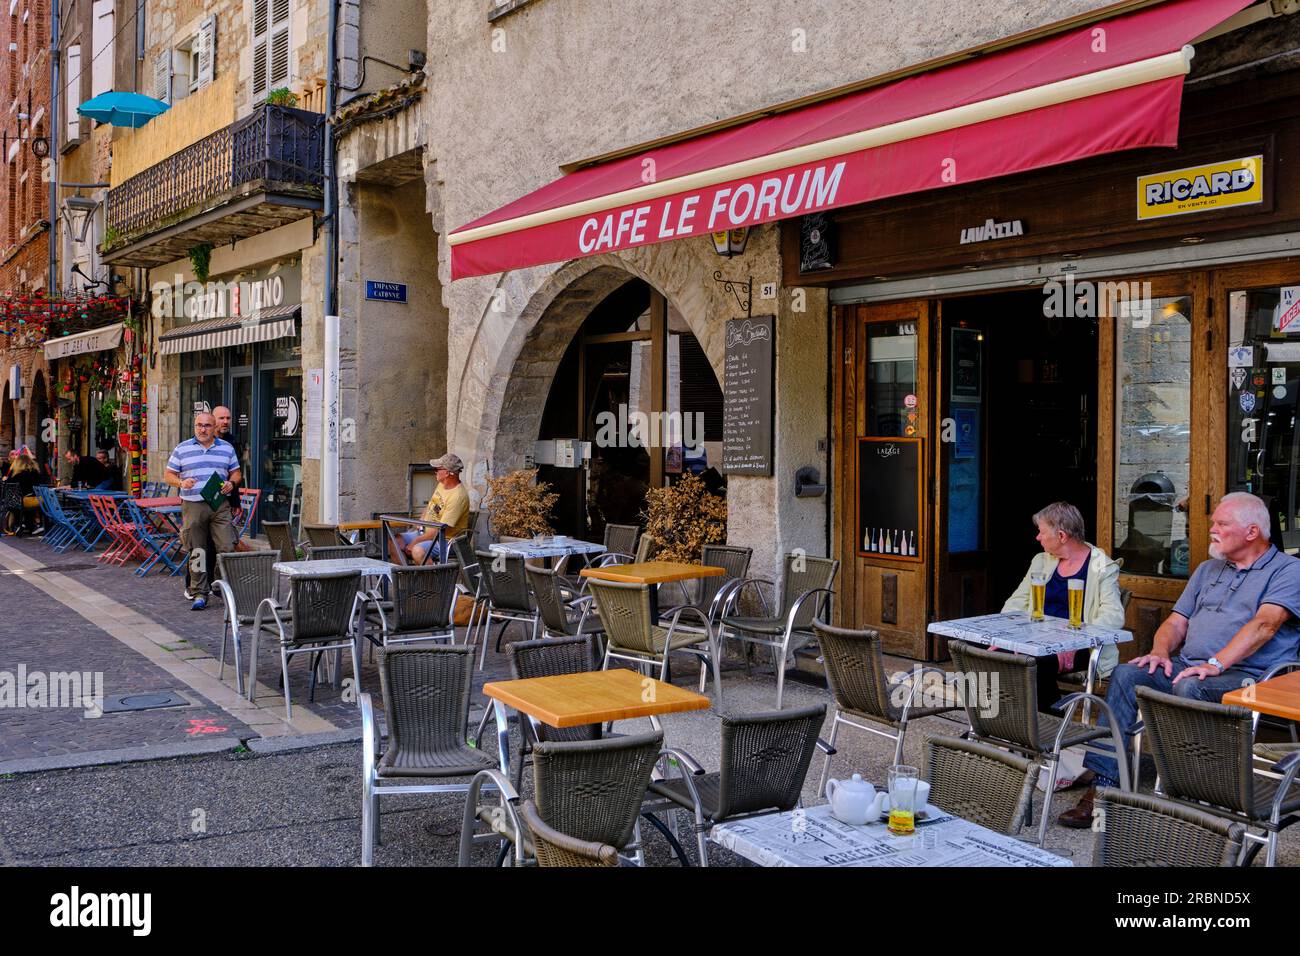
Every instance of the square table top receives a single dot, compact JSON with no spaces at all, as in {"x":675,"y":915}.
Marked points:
{"x":593,"y":697}
{"x":817,"y":839}
{"x":1014,"y":631}
{"x":653,"y":572}
{"x":1279,"y":696}
{"x":369,"y":567}
{"x":360,"y":525}
{"x":173,"y":501}
{"x":548,"y":547}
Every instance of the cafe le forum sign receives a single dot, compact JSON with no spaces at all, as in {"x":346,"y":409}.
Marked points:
{"x":243,"y":294}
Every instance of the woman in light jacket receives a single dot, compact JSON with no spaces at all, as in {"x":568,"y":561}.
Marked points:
{"x":1066,"y":554}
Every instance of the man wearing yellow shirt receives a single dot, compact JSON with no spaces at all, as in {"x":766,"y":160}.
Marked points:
{"x":449,"y":506}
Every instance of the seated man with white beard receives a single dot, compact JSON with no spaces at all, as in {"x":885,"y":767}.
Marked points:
{"x":1236,"y":618}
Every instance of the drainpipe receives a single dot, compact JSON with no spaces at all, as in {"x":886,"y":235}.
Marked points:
{"x":52,"y":282}
{"x":329,"y":466}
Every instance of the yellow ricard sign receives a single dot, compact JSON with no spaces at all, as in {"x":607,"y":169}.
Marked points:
{"x":1233,"y":182}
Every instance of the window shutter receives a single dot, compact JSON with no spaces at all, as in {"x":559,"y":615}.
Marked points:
{"x":74,"y":91}
{"x":101,"y":67}
{"x":261,"y":36}
{"x":207,"y":52}
{"x":162,"y":77}
{"x":279,"y":58}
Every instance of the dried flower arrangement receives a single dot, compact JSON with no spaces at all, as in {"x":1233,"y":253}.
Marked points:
{"x":685,"y":517}
{"x":520,"y":507}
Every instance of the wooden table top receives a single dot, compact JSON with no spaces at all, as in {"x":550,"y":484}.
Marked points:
{"x":1279,"y":697}
{"x":360,"y":525}
{"x":653,"y":572}
{"x":593,"y":697}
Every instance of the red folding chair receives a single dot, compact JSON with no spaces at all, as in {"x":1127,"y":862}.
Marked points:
{"x":126,"y":541}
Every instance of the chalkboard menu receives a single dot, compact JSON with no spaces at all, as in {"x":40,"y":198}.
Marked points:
{"x":889,"y":498}
{"x":747,"y":396}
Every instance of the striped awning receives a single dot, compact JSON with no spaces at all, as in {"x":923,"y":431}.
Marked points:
{"x":95,"y":340}
{"x":262,"y":326}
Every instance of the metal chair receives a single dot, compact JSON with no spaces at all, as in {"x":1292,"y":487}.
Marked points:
{"x":631,"y":634}
{"x":855,"y":671}
{"x":1204,"y":759}
{"x":1011,"y":718}
{"x":805,"y":596}
{"x":554,"y":848}
{"x":765,"y":760}
{"x":426,"y":703}
{"x":979,"y":783}
{"x":247,"y":579}
{"x":589,"y":789}
{"x":123,"y":540}
{"x":461,"y":548}
{"x":420,"y":609}
{"x":321,"y":617}
{"x":560,"y":618}
{"x":277,"y":534}
{"x":333,"y":552}
{"x":505,"y":583}
{"x":11,"y":506}
{"x":156,"y":536}
{"x":621,"y":539}
{"x":323,"y":535}
{"x":1139,"y":830}
{"x":248,"y":499}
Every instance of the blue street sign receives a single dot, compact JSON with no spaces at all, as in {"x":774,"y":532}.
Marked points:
{"x":386,"y":291}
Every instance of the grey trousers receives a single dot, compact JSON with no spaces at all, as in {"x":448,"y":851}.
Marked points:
{"x":199,"y":526}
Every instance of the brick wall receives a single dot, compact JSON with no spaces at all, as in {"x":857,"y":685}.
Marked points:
{"x":24,"y":109}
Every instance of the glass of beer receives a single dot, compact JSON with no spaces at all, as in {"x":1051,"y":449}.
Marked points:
{"x":903,"y":782}
{"x":1037,"y":594}
{"x":1076,"y":603}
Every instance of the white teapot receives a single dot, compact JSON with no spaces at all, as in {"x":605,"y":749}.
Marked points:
{"x":855,"y":801}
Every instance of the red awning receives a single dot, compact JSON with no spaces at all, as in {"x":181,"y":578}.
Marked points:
{"x":1109,"y":86}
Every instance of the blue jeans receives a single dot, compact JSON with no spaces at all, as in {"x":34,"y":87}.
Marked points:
{"x":1122,"y":700}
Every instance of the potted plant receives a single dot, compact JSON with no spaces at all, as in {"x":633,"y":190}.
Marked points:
{"x":683,"y":518}
{"x":282,"y":96}
{"x":520,"y":507}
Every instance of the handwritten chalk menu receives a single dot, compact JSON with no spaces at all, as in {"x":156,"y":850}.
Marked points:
{"x":889,"y":498}
{"x":747,"y":396}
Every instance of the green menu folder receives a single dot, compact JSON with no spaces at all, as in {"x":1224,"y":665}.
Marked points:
{"x":211,"y":491}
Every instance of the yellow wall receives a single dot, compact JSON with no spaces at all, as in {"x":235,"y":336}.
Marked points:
{"x":193,"y":118}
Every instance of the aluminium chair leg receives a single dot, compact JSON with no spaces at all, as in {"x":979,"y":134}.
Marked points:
{"x":1047,"y":801}
{"x":368,"y":814}
{"x":356,"y":671}
{"x":826,"y":767}
{"x":239,"y":657}
{"x":284,"y":674}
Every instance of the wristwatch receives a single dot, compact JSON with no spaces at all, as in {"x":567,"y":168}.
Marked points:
{"x":1217,"y":663}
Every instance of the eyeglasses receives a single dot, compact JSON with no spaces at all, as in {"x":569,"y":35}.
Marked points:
{"x":204,"y":426}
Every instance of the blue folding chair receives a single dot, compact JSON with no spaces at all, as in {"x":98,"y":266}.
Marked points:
{"x":68,"y":529}
{"x":165,"y":545}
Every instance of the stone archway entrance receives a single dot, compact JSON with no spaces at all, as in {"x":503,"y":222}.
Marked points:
{"x":8,"y":433}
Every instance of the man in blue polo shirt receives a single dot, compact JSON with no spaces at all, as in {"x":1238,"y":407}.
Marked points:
{"x":1238,"y":616}
{"x":190,"y":466}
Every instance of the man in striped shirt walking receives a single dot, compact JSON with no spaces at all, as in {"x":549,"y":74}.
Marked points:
{"x":190,"y":466}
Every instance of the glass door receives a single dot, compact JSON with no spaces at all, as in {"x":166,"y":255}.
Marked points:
{"x":279,"y":440}
{"x":241,"y":423}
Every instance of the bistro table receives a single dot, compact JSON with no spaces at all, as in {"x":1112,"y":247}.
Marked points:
{"x":1014,"y":631}
{"x":815,"y":838}
{"x":653,"y":572}
{"x":1278,"y":696}
{"x":589,"y":697}
{"x":549,"y":546}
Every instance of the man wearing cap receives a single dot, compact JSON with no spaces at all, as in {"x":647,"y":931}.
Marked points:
{"x":449,"y":507}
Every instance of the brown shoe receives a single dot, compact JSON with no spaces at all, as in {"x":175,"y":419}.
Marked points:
{"x":1079,"y":817}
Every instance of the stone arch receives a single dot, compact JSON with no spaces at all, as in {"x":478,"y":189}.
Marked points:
{"x":519,"y":360}
{"x":8,"y":433}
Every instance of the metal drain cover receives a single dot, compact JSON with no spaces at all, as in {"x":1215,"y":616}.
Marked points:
{"x":150,"y":701}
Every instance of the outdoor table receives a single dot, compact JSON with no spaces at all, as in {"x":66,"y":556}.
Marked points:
{"x":815,"y":838}
{"x":172,"y":501}
{"x":1014,"y":631}
{"x":1278,"y":697}
{"x":653,"y":572}
{"x":364,"y":530}
{"x":590,"y":697}
{"x":439,"y":543}
{"x":550,"y":546}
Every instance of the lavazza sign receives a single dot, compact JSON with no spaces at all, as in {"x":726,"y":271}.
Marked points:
{"x":993,"y":230}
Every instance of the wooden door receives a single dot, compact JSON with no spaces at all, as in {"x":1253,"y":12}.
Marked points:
{"x":883,"y":392}
{"x":1161,"y":356}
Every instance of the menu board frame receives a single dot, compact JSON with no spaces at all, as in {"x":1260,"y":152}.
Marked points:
{"x":918,"y":444}
{"x":738,"y":333}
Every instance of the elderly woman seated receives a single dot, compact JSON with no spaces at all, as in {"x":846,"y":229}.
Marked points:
{"x":1067,"y":555}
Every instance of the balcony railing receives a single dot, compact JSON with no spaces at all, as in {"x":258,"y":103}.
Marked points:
{"x":277,"y":145}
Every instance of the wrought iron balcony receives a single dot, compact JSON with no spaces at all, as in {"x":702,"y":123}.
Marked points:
{"x":258,"y":173}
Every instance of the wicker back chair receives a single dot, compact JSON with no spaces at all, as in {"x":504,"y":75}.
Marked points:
{"x":247,"y":579}
{"x":632,"y":634}
{"x":592,"y":789}
{"x":765,"y":760}
{"x":278,"y":536}
{"x":1012,"y":719}
{"x":1204,"y":758}
{"x":426,"y":702}
{"x":980,"y":783}
{"x":322,"y":535}
{"x":550,"y":658}
{"x":647,"y":548}
{"x":806,"y":593}
{"x":553,"y":848}
{"x":1140,"y":830}
{"x":559,"y":617}
{"x":330,"y":552}
{"x":621,"y":538}
{"x":855,"y":671}
{"x":461,"y":549}
{"x":420,"y":609}
{"x":736,"y":562}
{"x":505,"y":583}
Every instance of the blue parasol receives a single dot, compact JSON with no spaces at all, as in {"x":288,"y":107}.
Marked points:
{"x":122,"y":109}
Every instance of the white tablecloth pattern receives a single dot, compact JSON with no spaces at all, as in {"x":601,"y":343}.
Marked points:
{"x":1016,"y":632}
{"x":547,"y":548}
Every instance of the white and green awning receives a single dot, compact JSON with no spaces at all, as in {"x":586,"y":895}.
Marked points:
{"x":262,"y":326}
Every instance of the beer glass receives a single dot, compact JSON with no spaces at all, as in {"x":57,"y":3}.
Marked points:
{"x":1076,"y":603}
{"x":903,"y":782}
{"x":1037,"y":594}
